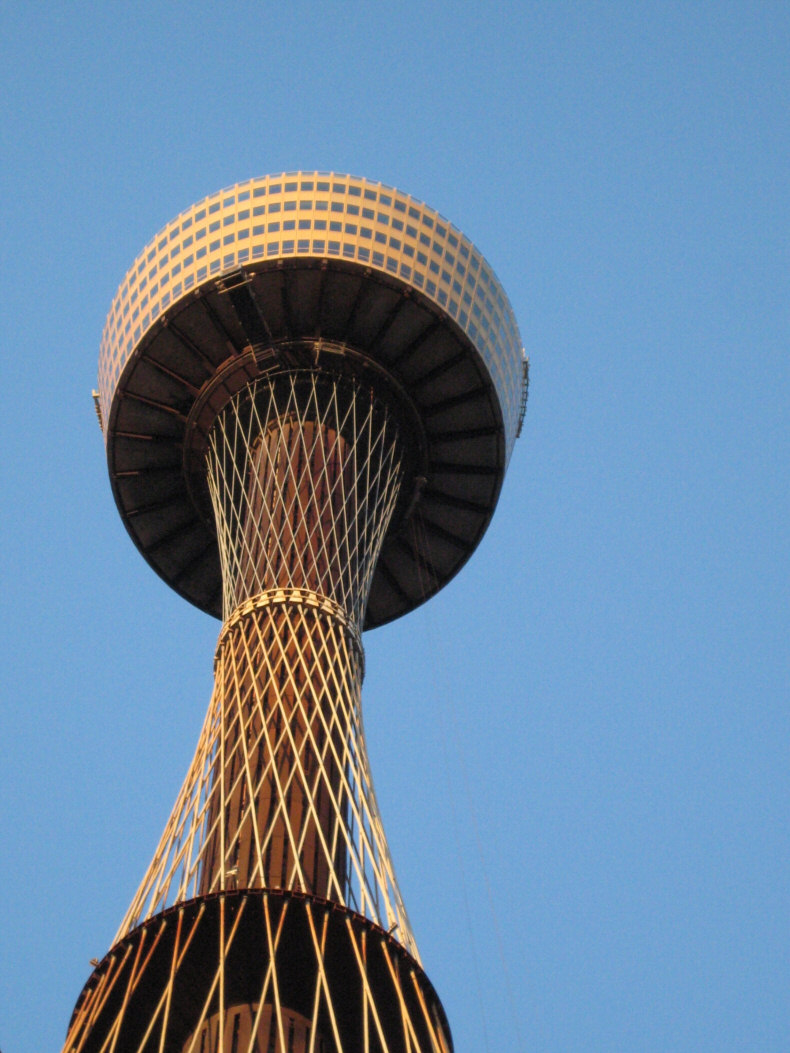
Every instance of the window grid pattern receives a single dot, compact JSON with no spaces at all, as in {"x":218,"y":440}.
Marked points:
{"x":319,"y":215}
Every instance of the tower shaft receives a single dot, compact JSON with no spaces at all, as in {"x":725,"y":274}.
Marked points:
{"x":304,"y":471}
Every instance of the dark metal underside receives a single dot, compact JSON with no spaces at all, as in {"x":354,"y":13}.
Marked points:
{"x":272,"y":307}
{"x":179,"y":946}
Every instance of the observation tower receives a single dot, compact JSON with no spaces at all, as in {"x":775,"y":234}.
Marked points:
{"x":309,"y":388}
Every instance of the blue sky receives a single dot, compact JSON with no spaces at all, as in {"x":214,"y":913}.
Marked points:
{"x":580,"y":747}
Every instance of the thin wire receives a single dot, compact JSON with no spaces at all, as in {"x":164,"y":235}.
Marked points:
{"x":420,"y":531}
{"x":439,"y":694}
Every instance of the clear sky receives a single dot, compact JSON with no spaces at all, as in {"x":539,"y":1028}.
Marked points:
{"x":580,"y":748}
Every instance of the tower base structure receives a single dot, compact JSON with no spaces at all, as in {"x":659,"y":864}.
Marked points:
{"x":259,"y":971}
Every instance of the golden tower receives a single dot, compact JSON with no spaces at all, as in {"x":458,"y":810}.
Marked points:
{"x":309,"y":388}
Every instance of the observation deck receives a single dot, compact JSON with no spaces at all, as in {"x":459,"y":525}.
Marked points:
{"x":312,"y":271}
